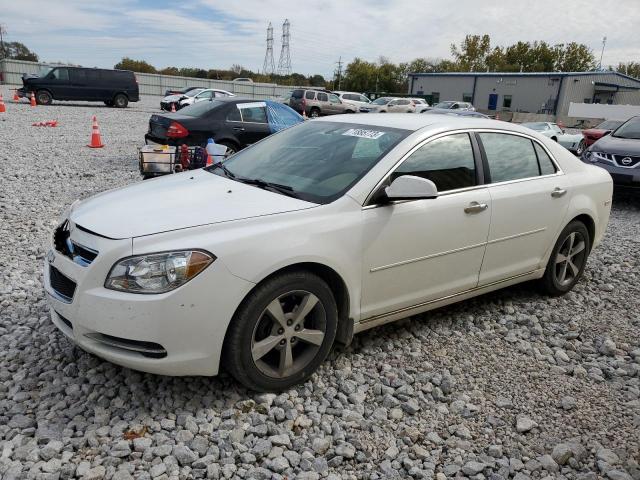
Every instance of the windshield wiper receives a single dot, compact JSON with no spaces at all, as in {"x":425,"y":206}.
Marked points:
{"x":283,"y":189}
{"x":226,"y":171}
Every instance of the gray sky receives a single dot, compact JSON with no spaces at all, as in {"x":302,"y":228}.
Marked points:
{"x":217,"y":34}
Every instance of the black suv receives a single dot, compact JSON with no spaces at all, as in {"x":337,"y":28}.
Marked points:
{"x":116,"y":88}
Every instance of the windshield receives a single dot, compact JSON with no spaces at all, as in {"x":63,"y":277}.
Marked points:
{"x":537,"y":126}
{"x":316,"y":161}
{"x":610,"y":124}
{"x":444,"y":105}
{"x":381,"y":101}
{"x":629,"y":129}
{"x":194,"y":92}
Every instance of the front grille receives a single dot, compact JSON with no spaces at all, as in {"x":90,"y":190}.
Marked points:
{"x":626,"y":160}
{"x":70,"y":249}
{"x":61,"y":284}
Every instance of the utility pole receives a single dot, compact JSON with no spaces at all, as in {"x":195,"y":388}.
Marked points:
{"x":3,"y":31}
{"x":268,"y":68}
{"x":604,"y":42}
{"x":284,"y":62}
{"x":338,"y":74}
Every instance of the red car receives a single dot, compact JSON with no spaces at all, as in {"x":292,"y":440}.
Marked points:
{"x":591,"y":135}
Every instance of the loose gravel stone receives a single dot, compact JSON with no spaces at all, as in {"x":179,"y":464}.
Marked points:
{"x":428,"y":397}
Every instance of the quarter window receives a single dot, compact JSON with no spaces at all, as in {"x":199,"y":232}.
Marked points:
{"x":310,"y":95}
{"x":510,"y":157}
{"x":544,"y":162}
{"x":447,"y":161}
{"x":254,"y":115}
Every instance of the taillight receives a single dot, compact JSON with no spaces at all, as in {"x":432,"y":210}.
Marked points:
{"x":176,"y":130}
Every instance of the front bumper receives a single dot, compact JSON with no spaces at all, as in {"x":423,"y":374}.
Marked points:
{"x":622,"y":176}
{"x":176,"y":333}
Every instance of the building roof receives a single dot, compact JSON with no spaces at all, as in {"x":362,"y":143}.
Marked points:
{"x":521,"y":74}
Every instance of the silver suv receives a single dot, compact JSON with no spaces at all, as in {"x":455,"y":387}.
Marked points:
{"x":356,"y":99}
{"x":390,"y":105}
{"x":318,"y":102}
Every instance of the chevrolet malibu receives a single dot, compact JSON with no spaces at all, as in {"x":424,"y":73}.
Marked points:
{"x":260,"y":264}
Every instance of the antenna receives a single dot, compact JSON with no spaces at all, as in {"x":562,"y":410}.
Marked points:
{"x":284,"y":63}
{"x":269,"y":68}
{"x":604,"y":42}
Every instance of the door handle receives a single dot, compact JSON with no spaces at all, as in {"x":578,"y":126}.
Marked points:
{"x":558,"y":192}
{"x":238,"y":129}
{"x":475,"y":207}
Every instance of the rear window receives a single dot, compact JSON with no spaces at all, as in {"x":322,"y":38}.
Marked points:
{"x":200,"y":108}
{"x":297,"y":94}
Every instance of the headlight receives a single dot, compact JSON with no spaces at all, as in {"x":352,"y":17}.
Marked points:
{"x":601,"y":156}
{"x":157,"y":272}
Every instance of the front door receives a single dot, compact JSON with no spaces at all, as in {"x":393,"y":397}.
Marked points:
{"x":422,"y":250}
{"x":529,"y":200}
{"x":493,"y":101}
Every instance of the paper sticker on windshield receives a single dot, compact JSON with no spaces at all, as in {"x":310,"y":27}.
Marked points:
{"x":251,"y":105}
{"x":363,"y":133}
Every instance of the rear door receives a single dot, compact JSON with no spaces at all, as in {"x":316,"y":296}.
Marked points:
{"x":529,"y":198}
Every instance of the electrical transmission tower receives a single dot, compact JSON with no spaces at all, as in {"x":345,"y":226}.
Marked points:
{"x":269,"y":68}
{"x":284,"y":63}
{"x":337,"y":75}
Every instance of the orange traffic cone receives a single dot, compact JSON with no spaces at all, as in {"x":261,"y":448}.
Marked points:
{"x":173,"y":108}
{"x":96,"y":141}
{"x":2,"y":107}
{"x":16,"y":98}
{"x":304,"y":115}
{"x":33,"y":99}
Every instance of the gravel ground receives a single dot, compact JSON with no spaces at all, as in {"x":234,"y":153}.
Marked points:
{"x":511,"y":384}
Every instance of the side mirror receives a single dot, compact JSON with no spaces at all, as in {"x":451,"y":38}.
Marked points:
{"x":410,"y":187}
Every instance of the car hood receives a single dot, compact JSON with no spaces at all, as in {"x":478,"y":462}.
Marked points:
{"x":594,"y":131}
{"x":175,"y":202}
{"x":173,"y":98}
{"x":617,"y":146}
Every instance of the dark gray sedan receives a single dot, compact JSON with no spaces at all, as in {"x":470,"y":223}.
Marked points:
{"x":619,"y":153}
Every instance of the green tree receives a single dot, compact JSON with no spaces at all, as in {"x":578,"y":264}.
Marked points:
{"x":18,"y":51}
{"x":360,"y":76}
{"x":135,"y":66}
{"x":629,"y":68}
{"x":472,"y":54}
{"x":574,"y":57}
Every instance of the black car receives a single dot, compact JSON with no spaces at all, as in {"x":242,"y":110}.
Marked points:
{"x":116,"y":88}
{"x":619,"y":153}
{"x":233,"y":122}
{"x":178,"y":91}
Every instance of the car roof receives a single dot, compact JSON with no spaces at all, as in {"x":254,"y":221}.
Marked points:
{"x":418,"y":121}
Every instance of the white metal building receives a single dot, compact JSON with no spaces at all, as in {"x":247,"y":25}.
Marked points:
{"x":549,"y":93}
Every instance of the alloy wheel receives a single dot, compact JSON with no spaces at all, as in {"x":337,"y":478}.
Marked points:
{"x":570,"y":259}
{"x":288,"y":334}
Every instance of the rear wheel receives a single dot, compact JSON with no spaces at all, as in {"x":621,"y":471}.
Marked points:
{"x":568,"y":259}
{"x":120,"y":100}
{"x":281,"y":332}
{"x":43,"y":97}
{"x":314,"y":113}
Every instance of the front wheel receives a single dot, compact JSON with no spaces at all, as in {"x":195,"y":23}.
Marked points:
{"x":580,"y":148}
{"x":43,"y":98}
{"x":281,"y":332}
{"x":568,"y":259}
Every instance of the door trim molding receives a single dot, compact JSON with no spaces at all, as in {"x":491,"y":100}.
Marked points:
{"x":511,"y":237}
{"x":426,"y":257}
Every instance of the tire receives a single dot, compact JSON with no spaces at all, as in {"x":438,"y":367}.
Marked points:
{"x":564,"y":271}
{"x":284,"y":359}
{"x":43,"y":97}
{"x":580,"y":148}
{"x":314,"y":113}
{"x":120,"y":101}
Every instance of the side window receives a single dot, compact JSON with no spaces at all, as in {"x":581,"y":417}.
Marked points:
{"x":363,"y":99}
{"x":334,"y":98}
{"x":322,"y":97}
{"x":448,"y":162}
{"x":77,"y":75}
{"x":202,"y":95}
{"x":61,"y":74}
{"x":544,"y":162}
{"x":254,"y":115}
{"x":234,"y":115}
{"x":510,"y":157}
{"x":310,"y":95}
{"x":455,"y":106}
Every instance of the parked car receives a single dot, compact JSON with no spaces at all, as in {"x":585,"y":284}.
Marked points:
{"x":619,"y":153}
{"x":316,"y":103}
{"x":258,"y":265}
{"x":241,"y":79}
{"x":191,"y":97}
{"x":572,"y":142}
{"x":116,"y":88}
{"x":460,"y":113}
{"x":453,"y":105}
{"x":591,"y":135}
{"x":389,"y":105}
{"x":178,"y":91}
{"x":420,"y":104}
{"x":231,"y":121}
{"x":354,"y":98}
{"x":284,"y":98}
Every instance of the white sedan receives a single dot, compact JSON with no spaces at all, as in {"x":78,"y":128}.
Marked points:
{"x":191,"y":97}
{"x":571,"y":141}
{"x":337,"y":225}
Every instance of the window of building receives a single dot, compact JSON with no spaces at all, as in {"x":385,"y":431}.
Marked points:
{"x":587,"y":100}
{"x":510,"y":157}
{"x":506,"y":101}
{"x":435,"y":97}
{"x":448,"y":162}
{"x":467,"y":97}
